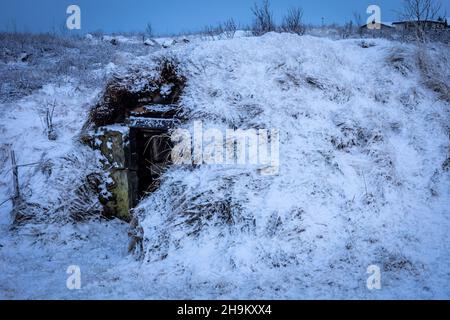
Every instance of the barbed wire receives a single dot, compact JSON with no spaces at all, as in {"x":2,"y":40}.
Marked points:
{"x":27,"y":165}
{"x":9,"y":199}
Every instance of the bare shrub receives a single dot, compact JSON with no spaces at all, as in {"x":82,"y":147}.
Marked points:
{"x":149,"y":30}
{"x":77,"y":179}
{"x":49,"y":127}
{"x":347,"y":30}
{"x":211,"y":32}
{"x":26,"y":212}
{"x":359,"y":23}
{"x":292,"y":22}
{"x":420,"y":12}
{"x":229,"y":28}
{"x":432,"y":78}
{"x":263,"y":21}
{"x":51,"y":58}
{"x":226,"y":29}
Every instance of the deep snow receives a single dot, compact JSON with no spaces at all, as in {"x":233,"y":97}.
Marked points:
{"x":362,"y":180}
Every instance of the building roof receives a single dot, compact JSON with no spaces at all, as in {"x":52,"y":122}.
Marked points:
{"x":383,"y":24}
{"x":415,"y":21}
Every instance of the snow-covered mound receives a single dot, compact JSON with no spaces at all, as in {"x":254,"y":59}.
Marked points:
{"x":363,"y":179}
{"x":363,"y":174}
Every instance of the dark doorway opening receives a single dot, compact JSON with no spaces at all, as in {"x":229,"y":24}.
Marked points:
{"x":152,"y":150}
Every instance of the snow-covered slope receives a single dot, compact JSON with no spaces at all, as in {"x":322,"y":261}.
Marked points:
{"x":361,"y":182}
{"x":364,"y":180}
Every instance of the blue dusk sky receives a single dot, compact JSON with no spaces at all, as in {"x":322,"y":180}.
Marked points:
{"x":174,"y":16}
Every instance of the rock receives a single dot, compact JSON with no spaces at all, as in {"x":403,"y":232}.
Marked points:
{"x":24,"y":57}
{"x":52,"y":136}
{"x":365,"y":45}
{"x":168,"y":43}
{"x":151,"y":43}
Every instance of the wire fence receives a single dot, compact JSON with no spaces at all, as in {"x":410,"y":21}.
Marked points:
{"x":16,"y":198}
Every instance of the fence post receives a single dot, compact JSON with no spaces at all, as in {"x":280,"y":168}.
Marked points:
{"x":15,"y":171}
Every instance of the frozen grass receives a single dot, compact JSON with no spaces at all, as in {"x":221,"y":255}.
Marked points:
{"x":363,"y":180}
{"x":28,"y":62}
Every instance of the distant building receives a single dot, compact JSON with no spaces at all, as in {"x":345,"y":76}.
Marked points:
{"x":380,"y":26}
{"x":439,"y":24}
